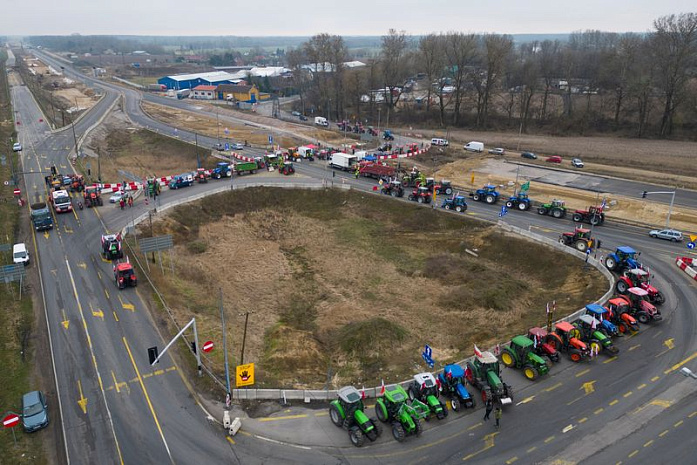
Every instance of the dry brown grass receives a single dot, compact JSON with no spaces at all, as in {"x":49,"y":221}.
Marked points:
{"x":309,"y":265}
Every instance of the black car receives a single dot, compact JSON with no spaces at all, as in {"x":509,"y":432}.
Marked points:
{"x":529,"y":155}
{"x":302,"y":118}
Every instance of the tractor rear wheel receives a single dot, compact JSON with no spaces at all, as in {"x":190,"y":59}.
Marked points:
{"x":417,"y":427}
{"x":542,"y":211}
{"x":490,"y":199}
{"x":575,"y":355}
{"x":381,"y":411}
{"x":659,"y":299}
{"x":554,"y":357}
{"x":507,"y":357}
{"x":357,"y":436}
{"x":411,"y":394}
{"x":643,"y":317}
{"x":335,"y":415}
{"x":622,"y":327}
{"x":581,"y":246}
{"x":393,"y":193}
{"x":531,"y":373}
{"x":448,"y":191}
{"x":420,"y":199}
{"x":445,"y":409}
{"x":558,"y":213}
{"x":522,"y":206}
{"x":398,"y":432}
{"x":455,"y":404}
{"x":595,"y":220}
{"x":621,"y":286}
{"x":611,"y":263}
{"x":578,"y":218}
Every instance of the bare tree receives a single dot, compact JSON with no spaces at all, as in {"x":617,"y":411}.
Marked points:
{"x":549,"y":69}
{"x":431,"y":61}
{"x":301,"y":77}
{"x":460,"y":52}
{"x":674,"y":46}
{"x":496,"y":51}
{"x":394,"y":60}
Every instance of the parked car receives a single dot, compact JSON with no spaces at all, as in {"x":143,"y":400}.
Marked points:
{"x":20,"y":254}
{"x":497,"y":151}
{"x":219,"y":147}
{"x":17,"y":147}
{"x":295,"y":113}
{"x":529,"y":155}
{"x":577,"y":163}
{"x":116,"y":197}
{"x":302,"y":117}
{"x":34,"y":411}
{"x":667,"y":234}
{"x":237,"y":146}
{"x":553,"y":159}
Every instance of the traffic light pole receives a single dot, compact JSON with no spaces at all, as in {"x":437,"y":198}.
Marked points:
{"x":197,"y":352}
{"x":670,"y":208}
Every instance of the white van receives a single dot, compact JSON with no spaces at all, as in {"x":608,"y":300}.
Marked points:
{"x":20,"y":254}
{"x":321,"y":121}
{"x":474,"y":146}
{"x":440,"y":142}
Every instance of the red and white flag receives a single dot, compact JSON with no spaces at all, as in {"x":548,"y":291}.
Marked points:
{"x":547,"y":308}
{"x":477,"y":352}
{"x":594,"y":323}
{"x":382,"y":388}
{"x":363,"y":392}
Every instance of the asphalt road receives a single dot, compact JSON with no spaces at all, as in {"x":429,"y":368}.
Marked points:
{"x":642,"y":380}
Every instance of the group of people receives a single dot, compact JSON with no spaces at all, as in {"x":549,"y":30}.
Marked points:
{"x":126,"y":199}
{"x":497,"y":415}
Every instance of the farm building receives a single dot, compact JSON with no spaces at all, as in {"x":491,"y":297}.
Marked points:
{"x":203,"y":92}
{"x":239,"y":93}
{"x":189,"y":81}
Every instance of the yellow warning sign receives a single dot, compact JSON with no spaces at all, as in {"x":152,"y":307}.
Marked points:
{"x":693,"y":238}
{"x":245,"y":375}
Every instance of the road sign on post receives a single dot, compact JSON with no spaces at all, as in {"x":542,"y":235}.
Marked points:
{"x":427,"y":355}
{"x":11,"y":420}
{"x":245,"y":375}
{"x":207,"y":346}
{"x":270,"y":139}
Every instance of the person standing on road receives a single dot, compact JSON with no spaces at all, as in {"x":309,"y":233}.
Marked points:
{"x":489,"y":408}
{"x":130,"y":201}
{"x":122,"y":203}
{"x":498,"y":414}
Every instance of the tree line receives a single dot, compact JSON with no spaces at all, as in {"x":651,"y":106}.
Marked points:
{"x":634,"y":84}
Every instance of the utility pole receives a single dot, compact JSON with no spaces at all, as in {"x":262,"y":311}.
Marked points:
{"x":227,"y":366}
{"x":99,"y":166}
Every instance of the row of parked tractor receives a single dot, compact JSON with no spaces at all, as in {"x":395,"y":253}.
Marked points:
{"x":428,"y":396}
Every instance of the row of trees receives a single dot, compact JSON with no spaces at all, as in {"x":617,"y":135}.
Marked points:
{"x":641,"y":83}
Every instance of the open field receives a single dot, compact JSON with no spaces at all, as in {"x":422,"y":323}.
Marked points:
{"x":20,"y":357}
{"x":349,"y":286}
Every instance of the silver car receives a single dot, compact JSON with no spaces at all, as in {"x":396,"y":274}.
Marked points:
{"x":577,"y":163}
{"x":667,"y":234}
{"x":497,"y":151}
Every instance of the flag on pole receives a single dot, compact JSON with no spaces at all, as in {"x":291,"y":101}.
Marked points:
{"x":604,"y":204}
{"x":554,"y":306}
{"x":594,"y":323}
{"x":534,"y":342}
{"x":547,"y":308}
{"x":525,"y":187}
{"x":477,"y":352}
{"x":363,"y":392}
{"x":382,"y":388}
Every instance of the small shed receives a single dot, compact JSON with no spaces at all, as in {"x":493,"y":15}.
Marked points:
{"x":203,"y":92}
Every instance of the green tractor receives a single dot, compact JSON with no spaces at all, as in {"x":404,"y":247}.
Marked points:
{"x":424,"y":388}
{"x":484,"y":373}
{"x":393,"y":407}
{"x":520,"y":354}
{"x":347,"y":412}
{"x":555,"y":209}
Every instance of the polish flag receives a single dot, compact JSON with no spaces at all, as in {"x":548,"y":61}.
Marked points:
{"x":382,"y":388}
{"x":593,"y":323}
{"x":477,"y":352}
{"x":363,"y":392}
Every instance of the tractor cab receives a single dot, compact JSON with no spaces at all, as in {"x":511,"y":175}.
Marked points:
{"x":582,"y":233}
{"x":111,"y":246}
{"x":522,"y":196}
{"x":350,"y":400}
{"x":124,"y":275}
{"x":595,"y":210}
{"x":429,"y":183}
{"x":619,"y":313}
{"x":642,"y":308}
{"x":457,"y":203}
{"x":539,"y":337}
{"x":286,"y":168}
{"x":558,"y":203}
{"x":422,"y":191}
{"x":424,"y":384}
{"x":489,"y":188}
{"x":202,"y":175}
{"x":602,"y":315}
{"x":488,"y":361}
{"x":567,"y":338}
{"x":92,"y":196}
{"x":639,"y":278}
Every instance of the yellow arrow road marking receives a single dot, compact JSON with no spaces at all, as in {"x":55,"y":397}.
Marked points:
{"x":588,"y":387}
{"x":65,"y":321}
{"x":669,"y":343}
{"x":46,"y":235}
{"x":82,"y":402}
{"x":98,"y":313}
{"x":488,"y":444}
{"x":126,"y":306}
{"x":526,"y":400}
{"x":82,"y":265}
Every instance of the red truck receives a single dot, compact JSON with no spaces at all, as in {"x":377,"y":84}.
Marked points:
{"x":376,"y":170}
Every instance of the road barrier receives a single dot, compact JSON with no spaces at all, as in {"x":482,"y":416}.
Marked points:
{"x":687,"y":265}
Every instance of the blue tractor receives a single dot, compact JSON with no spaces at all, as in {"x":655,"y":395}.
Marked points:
{"x":521,"y":201}
{"x":452,"y":384}
{"x":486,"y":194}
{"x":603,"y":315}
{"x":387,"y":135}
{"x":222,"y":170}
{"x":624,"y":258}
{"x":456,"y":203}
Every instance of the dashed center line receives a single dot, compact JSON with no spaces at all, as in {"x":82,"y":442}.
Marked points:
{"x":627,"y":394}
{"x":655,"y":378}
{"x":549,"y":439}
{"x":581,"y":373}
{"x":632,"y":454}
{"x":552,"y":388}
{"x":600,"y":410}
{"x":678,"y":423}
{"x":641,"y":386}
{"x":531,"y":449}
{"x":648,"y":443}
{"x":663,"y":433}
{"x":613,"y":402}
{"x":511,"y":460}
{"x":583,"y":420}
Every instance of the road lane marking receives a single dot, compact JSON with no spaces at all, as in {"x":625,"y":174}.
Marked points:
{"x":115,"y":316}
{"x":611,"y":359}
{"x":581,"y":373}
{"x":627,"y":394}
{"x":663,"y":433}
{"x":488,"y":444}
{"x":614,"y":402}
{"x":106,"y":293}
{"x":567,"y":429}
{"x":524,"y":401}
{"x":82,"y":401}
{"x":648,"y":443}
{"x":583,"y":420}
{"x":678,"y":423}
{"x":172,"y":368}
{"x":678,"y":365}
{"x":634,"y":347}
{"x":147,"y":398}
{"x":65,"y":322}
{"x":552,"y":388}
{"x":531,"y":449}
{"x":549,"y":439}
{"x":655,"y":378}
{"x":641,"y":386}
{"x":669,"y":343}
{"x":588,"y":387}
{"x":286,"y":417}
{"x":692,"y":414}
{"x":94,"y":359}
{"x":321,"y":414}
{"x":632,"y":454}
{"x":600,"y":410}
{"x":473,"y":427}
{"x":230,"y":440}
{"x":511,"y":460}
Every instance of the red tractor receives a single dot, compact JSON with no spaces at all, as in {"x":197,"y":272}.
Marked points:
{"x":639,"y":278}
{"x":566,"y":338}
{"x":618,"y":312}
{"x":92,"y":196}
{"x":124,"y":275}
{"x":541,"y":347}
{"x":286,"y":168}
{"x":594,"y":215}
{"x":640,"y":307}
{"x":421,"y":194}
{"x":202,"y":175}
{"x":580,"y":239}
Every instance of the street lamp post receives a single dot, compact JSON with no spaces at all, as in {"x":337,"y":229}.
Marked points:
{"x":670,"y":208}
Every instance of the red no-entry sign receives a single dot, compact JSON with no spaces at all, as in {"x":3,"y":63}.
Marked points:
{"x":208,"y":346}
{"x":17,"y":192}
{"x":10,"y":420}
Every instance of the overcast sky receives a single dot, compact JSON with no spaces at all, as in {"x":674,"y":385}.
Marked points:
{"x":346,"y":17}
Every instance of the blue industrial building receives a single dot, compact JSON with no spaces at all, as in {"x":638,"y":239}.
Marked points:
{"x":189,"y":81}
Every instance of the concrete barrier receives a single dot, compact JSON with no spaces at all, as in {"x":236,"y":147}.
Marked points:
{"x":687,"y":265}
